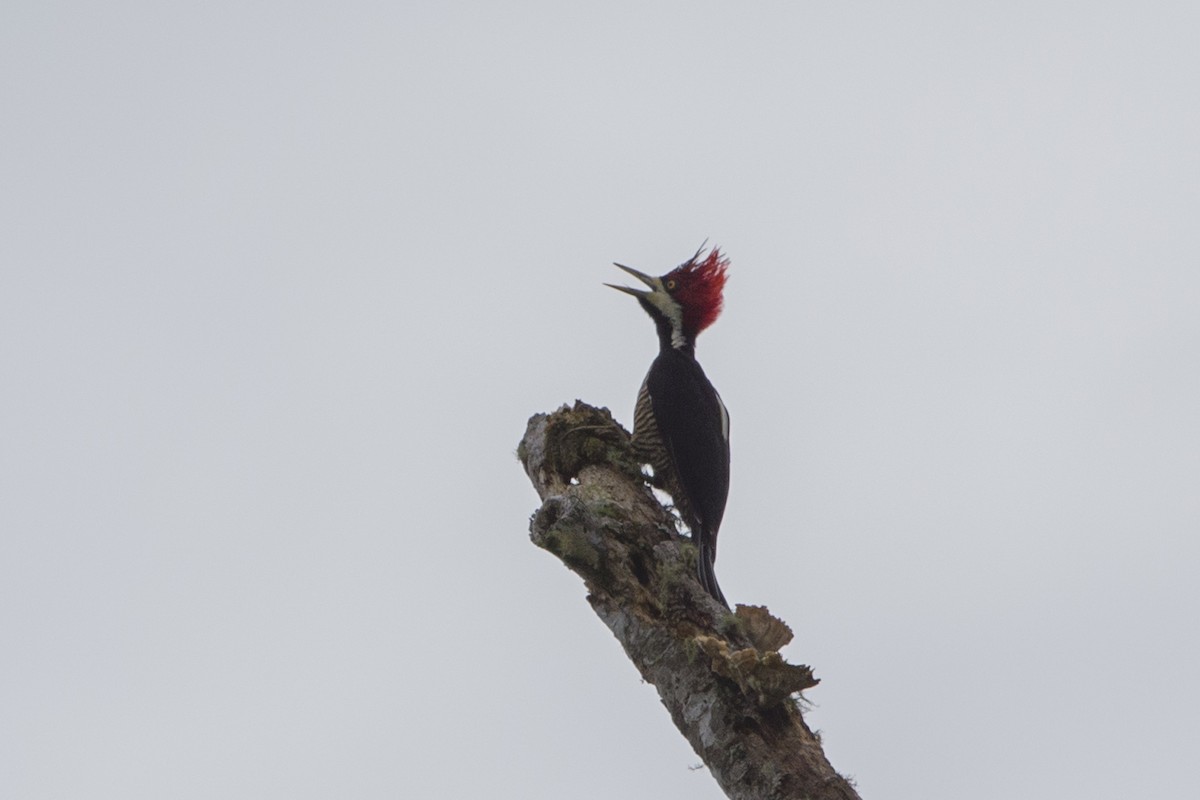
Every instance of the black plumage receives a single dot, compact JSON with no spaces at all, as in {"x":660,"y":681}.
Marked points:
{"x":681,"y":429}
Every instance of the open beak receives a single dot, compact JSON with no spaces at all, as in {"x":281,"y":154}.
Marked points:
{"x":652,"y":282}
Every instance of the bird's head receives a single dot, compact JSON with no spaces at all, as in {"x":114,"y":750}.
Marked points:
{"x":687,"y":299}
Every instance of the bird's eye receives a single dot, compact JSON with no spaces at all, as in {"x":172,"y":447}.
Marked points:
{"x":671,"y":285}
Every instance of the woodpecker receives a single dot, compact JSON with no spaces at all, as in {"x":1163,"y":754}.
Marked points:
{"x":680,"y":426}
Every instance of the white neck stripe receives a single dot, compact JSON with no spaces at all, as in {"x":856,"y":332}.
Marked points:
{"x":674,"y":314}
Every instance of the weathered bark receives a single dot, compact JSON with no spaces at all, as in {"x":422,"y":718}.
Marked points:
{"x":719,"y":675}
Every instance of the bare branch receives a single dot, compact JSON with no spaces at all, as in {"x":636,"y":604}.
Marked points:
{"x":720,"y":675}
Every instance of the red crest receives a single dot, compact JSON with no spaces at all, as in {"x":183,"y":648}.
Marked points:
{"x":699,"y":284}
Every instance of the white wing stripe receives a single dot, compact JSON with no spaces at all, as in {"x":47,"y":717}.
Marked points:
{"x":724,"y":418}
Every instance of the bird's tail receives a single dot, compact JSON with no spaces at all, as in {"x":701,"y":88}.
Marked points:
{"x":705,"y":568}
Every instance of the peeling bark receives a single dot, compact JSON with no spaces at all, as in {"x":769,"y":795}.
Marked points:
{"x":720,"y":675}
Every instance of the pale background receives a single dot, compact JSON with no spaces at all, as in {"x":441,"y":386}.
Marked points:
{"x":282,"y":282}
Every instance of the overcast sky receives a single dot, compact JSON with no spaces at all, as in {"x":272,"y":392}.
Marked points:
{"x":281,"y":283}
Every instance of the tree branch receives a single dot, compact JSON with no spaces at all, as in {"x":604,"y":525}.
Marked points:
{"x":720,"y":675}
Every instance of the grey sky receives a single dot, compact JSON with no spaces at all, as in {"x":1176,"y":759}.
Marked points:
{"x":281,"y":283}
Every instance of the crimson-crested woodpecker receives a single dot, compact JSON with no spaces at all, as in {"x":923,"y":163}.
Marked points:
{"x":680,"y":426}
